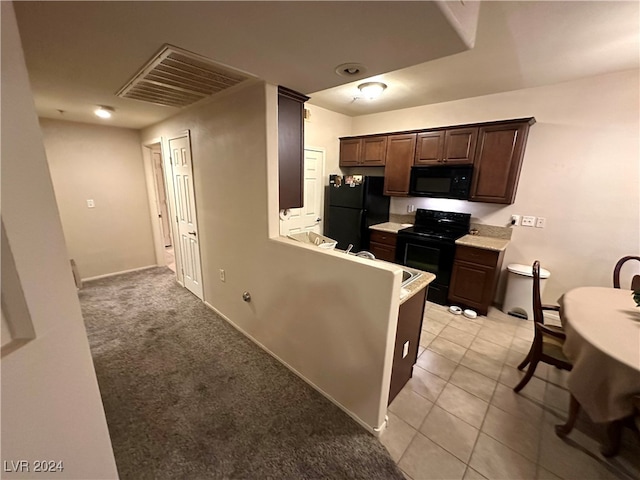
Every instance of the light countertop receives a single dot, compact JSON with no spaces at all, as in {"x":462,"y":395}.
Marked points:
{"x":418,"y":284}
{"x":390,"y":227}
{"x":486,"y":243}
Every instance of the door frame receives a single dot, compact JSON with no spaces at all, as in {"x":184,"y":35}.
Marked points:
{"x":283,"y":213}
{"x":147,"y":146}
{"x":158,"y":172}
{"x":152,"y":195}
{"x":324,"y":179}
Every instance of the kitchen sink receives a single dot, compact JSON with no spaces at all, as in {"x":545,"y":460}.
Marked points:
{"x":409,"y":276}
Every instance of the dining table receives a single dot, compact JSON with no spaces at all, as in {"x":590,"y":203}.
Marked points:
{"x":602,"y":327}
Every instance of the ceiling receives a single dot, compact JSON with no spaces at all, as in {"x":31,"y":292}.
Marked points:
{"x":79,"y":54}
{"x":518,"y":45}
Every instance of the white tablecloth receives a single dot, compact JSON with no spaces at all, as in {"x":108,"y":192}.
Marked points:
{"x":603,"y":343}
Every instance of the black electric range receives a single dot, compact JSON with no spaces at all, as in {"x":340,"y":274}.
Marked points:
{"x":430,"y":246}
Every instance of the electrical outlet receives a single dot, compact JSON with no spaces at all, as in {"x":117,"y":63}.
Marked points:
{"x":411,"y":208}
{"x":90,"y":203}
{"x":528,"y":221}
{"x":515,"y":220}
{"x":222,"y":276}
{"x":541,"y":222}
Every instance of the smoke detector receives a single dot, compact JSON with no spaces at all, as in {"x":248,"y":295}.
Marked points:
{"x":351,"y":70}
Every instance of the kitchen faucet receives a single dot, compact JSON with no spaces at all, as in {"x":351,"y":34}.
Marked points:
{"x":363,"y":253}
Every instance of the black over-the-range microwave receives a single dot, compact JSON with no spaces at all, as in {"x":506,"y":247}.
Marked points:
{"x":441,"y":181}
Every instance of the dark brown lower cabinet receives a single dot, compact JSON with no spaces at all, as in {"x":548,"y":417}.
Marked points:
{"x":407,"y":341}
{"x":474,"y":277}
{"x":383,"y":245}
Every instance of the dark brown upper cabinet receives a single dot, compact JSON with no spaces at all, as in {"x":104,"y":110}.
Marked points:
{"x":350,"y":152}
{"x":429,"y":148}
{"x":495,"y":149}
{"x":453,"y":146}
{"x":498,"y":161}
{"x":460,"y":146}
{"x":291,"y":147}
{"x":363,"y":151}
{"x":373,"y":151}
{"x":400,"y":154}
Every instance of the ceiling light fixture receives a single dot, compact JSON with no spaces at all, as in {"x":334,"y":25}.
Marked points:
{"x":372,"y":90}
{"x":104,"y":112}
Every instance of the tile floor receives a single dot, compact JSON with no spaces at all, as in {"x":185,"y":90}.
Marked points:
{"x":459,"y":418}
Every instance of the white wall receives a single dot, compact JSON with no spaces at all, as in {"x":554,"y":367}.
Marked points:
{"x":51,"y":406}
{"x":581,"y":172}
{"x":104,"y":164}
{"x":322,"y":130}
{"x":329,"y":317}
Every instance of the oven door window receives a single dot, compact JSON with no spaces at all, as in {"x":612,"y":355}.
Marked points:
{"x":436,"y":259}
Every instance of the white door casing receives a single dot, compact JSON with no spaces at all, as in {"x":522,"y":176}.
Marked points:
{"x":187,"y":242}
{"x":161,"y":196}
{"x":309,"y":217}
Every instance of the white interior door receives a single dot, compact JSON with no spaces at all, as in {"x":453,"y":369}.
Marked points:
{"x":309,"y":217}
{"x":188,"y":258}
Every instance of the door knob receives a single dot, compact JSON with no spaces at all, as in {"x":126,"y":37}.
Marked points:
{"x":318,"y":219}
{"x":193,"y":233}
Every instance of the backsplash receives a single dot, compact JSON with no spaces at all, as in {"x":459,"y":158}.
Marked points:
{"x":401,"y":218}
{"x":492,"y":231}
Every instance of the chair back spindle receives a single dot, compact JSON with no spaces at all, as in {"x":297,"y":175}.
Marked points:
{"x":635,"y":281}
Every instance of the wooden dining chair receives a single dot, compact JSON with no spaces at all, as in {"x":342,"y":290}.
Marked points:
{"x":547,"y":341}
{"x":635,"y":281}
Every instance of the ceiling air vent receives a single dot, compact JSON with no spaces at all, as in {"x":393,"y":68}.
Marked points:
{"x":177,"y":78}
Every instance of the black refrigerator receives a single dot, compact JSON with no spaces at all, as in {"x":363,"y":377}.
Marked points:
{"x":355,"y":202}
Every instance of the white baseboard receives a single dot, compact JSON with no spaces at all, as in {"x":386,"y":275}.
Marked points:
{"x":106,"y":275}
{"x":376,"y":431}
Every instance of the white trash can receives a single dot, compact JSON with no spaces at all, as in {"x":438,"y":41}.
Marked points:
{"x":518,"y":300}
